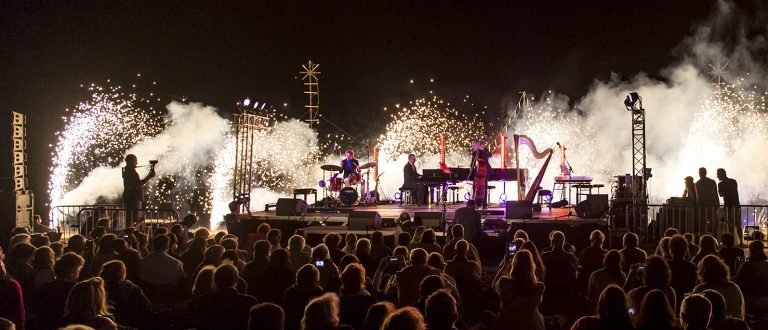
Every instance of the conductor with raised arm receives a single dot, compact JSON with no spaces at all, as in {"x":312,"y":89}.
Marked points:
{"x":133,"y":188}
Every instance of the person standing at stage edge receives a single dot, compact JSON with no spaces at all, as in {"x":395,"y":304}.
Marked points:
{"x":480,"y":171}
{"x":707,"y":200}
{"x":133,"y":192}
{"x":729,"y":189}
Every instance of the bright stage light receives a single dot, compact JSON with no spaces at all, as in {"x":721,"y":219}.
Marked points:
{"x":503,"y":198}
{"x":247,"y":102}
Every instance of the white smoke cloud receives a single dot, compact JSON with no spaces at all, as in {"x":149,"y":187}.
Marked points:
{"x":191,"y":138}
{"x":685,"y":130}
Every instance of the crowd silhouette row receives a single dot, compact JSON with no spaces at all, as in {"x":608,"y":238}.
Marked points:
{"x":177,"y":278}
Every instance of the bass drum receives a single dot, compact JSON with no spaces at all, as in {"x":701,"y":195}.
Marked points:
{"x":348,"y":196}
{"x":336,"y":183}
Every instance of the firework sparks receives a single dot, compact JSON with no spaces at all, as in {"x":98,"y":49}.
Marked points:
{"x":97,"y":133}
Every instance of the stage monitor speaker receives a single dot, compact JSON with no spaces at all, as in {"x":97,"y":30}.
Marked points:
{"x":593,"y":206}
{"x":519,"y":210}
{"x":364,"y":220}
{"x":559,"y":204}
{"x":432,"y":220}
{"x":290,"y":206}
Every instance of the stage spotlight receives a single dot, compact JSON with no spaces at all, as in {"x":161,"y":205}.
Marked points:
{"x":633,"y":102}
{"x":503,"y":198}
{"x":246,"y":102}
{"x":467,"y":196}
{"x":398,"y":195}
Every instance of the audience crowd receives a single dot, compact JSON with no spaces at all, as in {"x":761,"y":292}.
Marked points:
{"x":174,"y":278}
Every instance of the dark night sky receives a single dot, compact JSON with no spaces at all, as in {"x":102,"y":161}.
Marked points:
{"x":367,"y":50}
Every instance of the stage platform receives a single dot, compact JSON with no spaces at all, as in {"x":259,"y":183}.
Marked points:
{"x":393,"y":211}
{"x":317,"y":222}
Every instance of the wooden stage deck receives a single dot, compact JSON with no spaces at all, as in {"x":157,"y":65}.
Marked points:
{"x":393,"y":211}
{"x":316,"y":223}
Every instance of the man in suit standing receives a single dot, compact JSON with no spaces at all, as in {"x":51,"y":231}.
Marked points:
{"x":729,"y":189}
{"x":410,"y":177}
{"x":707,"y":199}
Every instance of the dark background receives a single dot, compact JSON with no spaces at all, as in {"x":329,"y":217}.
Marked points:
{"x":368,"y":51}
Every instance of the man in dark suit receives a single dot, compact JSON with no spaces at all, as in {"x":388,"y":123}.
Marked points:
{"x":707,"y":199}
{"x":410,"y":176}
{"x":729,"y":189}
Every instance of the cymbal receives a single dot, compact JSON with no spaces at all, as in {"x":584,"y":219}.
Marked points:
{"x":331,"y":168}
{"x":367,"y":165}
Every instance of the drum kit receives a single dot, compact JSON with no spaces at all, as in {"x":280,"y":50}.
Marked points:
{"x":344,"y":191}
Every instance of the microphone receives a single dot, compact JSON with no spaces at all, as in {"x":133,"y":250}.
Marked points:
{"x":558,"y":144}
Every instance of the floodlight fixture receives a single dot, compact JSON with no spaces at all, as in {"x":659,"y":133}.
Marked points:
{"x":633,"y":102}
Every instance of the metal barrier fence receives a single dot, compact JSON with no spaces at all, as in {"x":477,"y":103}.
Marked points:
{"x":692,"y":219}
{"x":81,"y":219}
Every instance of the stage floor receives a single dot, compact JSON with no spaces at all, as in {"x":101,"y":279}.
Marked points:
{"x":393,"y":211}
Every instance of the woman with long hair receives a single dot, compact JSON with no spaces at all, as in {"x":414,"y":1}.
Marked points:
{"x":204,"y":281}
{"x":655,"y":275}
{"x":130,"y":306}
{"x":656,"y":313}
{"x":610,"y":274}
{"x":354,"y":298}
{"x":212,"y":257}
{"x":351,"y":241}
{"x":87,"y":305}
{"x":521,"y":293}
{"x":611,"y":312}
{"x":714,"y":274}
{"x":194,"y":254}
{"x":531,"y":247}
{"x":707,"y":246}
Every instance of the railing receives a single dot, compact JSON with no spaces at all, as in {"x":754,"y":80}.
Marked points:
{"x":691,"y":219}
{"x":81,"y":219}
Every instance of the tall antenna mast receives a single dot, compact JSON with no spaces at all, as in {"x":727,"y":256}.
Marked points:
{"x":717,"y":71}
{"x":313,"y":92}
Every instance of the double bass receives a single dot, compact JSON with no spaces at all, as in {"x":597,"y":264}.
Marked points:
{"x":480,"y":169}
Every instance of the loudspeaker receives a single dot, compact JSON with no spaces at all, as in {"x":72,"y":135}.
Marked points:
{"x":290,"y":206}
{"x":593,"y":206}
{"x":363,"y":220}
{"x":519,"y":210}
{"x":599,"y":203}
{"x":432,"y":220}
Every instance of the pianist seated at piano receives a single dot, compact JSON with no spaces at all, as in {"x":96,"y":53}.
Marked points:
{"x":411,"y":178}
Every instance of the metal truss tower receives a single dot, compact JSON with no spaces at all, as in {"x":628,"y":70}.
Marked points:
{"x":313,"y":92}
{"x":640,"y":175}
{"x":247,"y":125}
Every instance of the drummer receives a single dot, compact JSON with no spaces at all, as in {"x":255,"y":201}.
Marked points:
{"x":349,"y":167}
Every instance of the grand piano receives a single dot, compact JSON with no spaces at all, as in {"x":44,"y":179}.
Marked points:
{"x":438,"y":177}
{"x":437,"y":180}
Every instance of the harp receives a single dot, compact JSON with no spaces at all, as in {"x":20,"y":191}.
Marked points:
{"x":523,"y":139}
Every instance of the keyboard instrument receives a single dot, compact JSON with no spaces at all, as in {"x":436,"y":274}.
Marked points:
{"x":574,"y":178}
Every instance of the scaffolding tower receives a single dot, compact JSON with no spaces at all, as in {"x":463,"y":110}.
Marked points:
{"x":247,"y":125}
{"x":640,"y":173}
